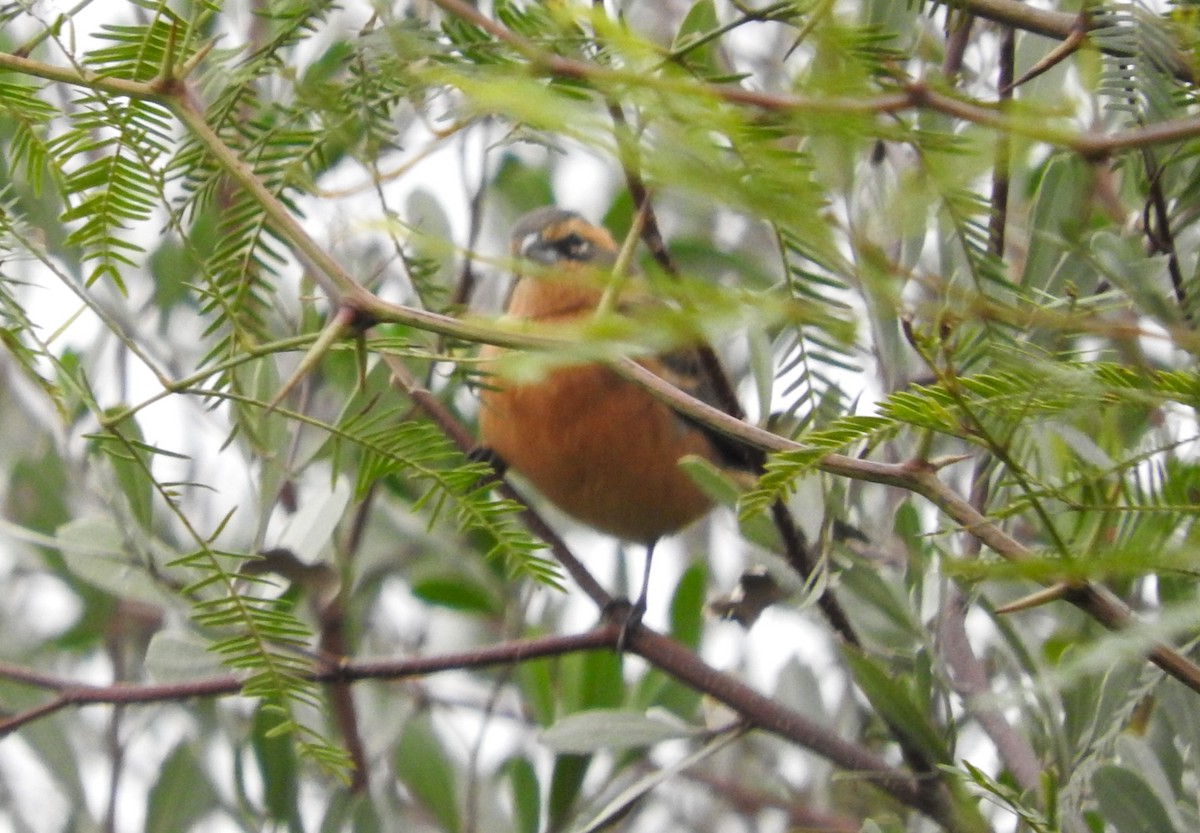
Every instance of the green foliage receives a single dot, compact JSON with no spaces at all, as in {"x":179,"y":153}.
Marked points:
{"x":898,"y":707}
{"x":182,"y":795}
{"x":389,"y":446}
{"x":903,"y":263}
{"x":424,"y":769}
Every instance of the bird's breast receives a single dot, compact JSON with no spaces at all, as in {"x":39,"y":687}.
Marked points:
{"x":600,"y":448}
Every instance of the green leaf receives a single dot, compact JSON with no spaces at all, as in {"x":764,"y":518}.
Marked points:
{"x":275,"y":754}
{"x":600,"y":729}
{"x":591,"y":680}
{"x":181,"y":795}
{"x":357,"y":812}
{"x":422,"y":766}
{"x":690,"y":45}
{"x":907,"y":526}
{"x":883,"y":612}
{"x":526,"y":794}
{"x":177,"y":655}
{"x":894,"y":704}
{"x":711,"y":479}
{"x":309,"y":534}
{"x":432,"y":231}
{"x":52,"y":743}
{"x":454,"y":590}
{"x":37,"y":492}
{"x":687,"y":606}
{"x":565,"y":783}
{"x":1128,"y":803}
{"x":1020,"y":805}
{"x":522,"y":186}
{"x":95,"y":550}
{"x":537,"y":685}
{"x":798,"y":687}
{"x":623,"y":802}
{"x":130,"y":460}
{"x":1060,"y":207}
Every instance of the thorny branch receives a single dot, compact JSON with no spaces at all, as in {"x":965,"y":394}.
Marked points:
{"x":918,"y":477}
{"x":909,"y":95}
{"x":759,"y":711}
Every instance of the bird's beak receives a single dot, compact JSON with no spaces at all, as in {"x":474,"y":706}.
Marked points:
{"x":533,"y":247}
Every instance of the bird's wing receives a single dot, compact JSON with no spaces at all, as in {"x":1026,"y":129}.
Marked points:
{"x":684,"y":368}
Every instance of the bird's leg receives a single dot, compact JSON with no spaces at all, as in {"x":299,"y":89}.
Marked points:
{"x":634,"y":620}
{"x":484,"y":454}
{"x":639,"y":606}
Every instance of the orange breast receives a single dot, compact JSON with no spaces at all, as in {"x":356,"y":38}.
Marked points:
{"x":600,"y":448}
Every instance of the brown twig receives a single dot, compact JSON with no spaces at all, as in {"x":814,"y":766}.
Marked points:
{"x":747,"y":800}
{"x":71,"y":693}
{"x":1063,"y":26}
{"x":765,"y":713}
{"x":958,"y":37}
{"x":795,"y":547}
{"x":910,"y":95}
{"x":331,"y":616}
{"x":968,"y":676}
{"x":459,"y":435}
{"x":1001,"y":175}
{"x":1157,"y":226}
{"x":761,"y":711}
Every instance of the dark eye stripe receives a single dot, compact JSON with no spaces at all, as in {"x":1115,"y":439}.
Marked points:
{"x":574,"y":247}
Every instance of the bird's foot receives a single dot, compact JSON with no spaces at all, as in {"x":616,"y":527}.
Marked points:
{"x":483,"y":454}
{"x":628,"y":616}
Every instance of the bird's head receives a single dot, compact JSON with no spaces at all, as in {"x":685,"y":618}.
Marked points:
{"x":553,"y":236}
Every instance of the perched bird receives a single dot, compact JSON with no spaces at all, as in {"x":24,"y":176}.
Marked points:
{"x":600,"y":448}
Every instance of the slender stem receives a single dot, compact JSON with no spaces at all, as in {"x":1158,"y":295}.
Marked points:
{"x":910,"y":95}
{"x":904,"y":476}
{"x":762,"y":712}
{"x":534,"y":522}
{"x":1001,"y":176}
{"x":921,"y":478}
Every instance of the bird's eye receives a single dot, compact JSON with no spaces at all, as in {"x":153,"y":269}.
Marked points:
{"x":575,"y":247}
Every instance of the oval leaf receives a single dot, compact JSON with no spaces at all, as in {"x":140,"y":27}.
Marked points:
{"x":610,"y":729}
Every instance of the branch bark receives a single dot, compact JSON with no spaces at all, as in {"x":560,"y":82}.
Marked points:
{"x":662,"y":652}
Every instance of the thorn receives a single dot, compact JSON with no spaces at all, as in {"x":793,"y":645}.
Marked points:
{"x":939,"y":463}
{"x":341,"y":322}
{"x":199,"y":55}
{"x":1053,"y":593}
{"x":1054,"y":57}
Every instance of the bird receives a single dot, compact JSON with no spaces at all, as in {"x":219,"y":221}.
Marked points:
{"x":600,"y":448}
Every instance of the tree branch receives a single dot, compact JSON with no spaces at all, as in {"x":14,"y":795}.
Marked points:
{"x":910,"y":95}
{"x":534,"y":522}
{"x":662,"y":652}
{"x":916,"y":478}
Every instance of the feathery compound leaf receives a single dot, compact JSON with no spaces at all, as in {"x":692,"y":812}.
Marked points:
{"x":26,"y":113}
{"x":1039,"y":391}
{"x":811,"y":165}
{"x":111,"y":153}
{"x":784,"y":468}
{"x":391,"y":445}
